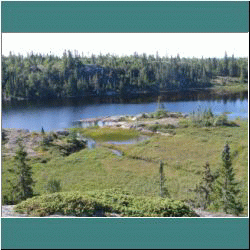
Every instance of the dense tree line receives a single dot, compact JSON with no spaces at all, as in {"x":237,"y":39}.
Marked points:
{"x":50,"y":76}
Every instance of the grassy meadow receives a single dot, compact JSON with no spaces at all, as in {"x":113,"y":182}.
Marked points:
{"x":184,"y":152}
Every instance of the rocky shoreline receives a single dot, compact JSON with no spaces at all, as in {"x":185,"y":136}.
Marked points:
{"x":131,"y":121}
{"x":140,"y":122}
{"x":8,"y":212}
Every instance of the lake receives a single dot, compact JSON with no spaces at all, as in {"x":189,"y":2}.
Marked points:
{"x":60,"y":113}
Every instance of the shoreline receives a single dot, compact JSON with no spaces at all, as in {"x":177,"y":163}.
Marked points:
{"x":131,"y":121}
{"x":214,"y":89}
{"x":116,"y":121}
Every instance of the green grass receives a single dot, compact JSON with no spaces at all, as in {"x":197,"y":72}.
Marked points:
{"x":108,"y":134}
{"x":108,"y":201}
{"x":236,"y":88}
{"x":161,"y":128}
{"x":228,"y":85}
{"x":185,"y":154}
{"x":137,"y":171}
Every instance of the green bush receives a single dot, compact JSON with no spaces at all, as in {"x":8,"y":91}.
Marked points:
{"x":145,"y":115}
{"x":89,"y":203}
{"x":160,"y":113}
{"x":70,"y":144}
{"x":153,"y":127}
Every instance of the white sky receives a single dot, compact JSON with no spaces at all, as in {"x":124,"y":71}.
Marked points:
{"x":186,"y":44}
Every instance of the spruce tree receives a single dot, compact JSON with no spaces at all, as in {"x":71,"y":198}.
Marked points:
{"x":226,"y":188}
{"x":163,"y":190}
{"x":205,"y":188}
{"x":23,"y":187}
{"x":161,"y":179}
{"x":208,"y":179}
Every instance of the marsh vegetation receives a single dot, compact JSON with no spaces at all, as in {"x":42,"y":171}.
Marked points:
{"x":90,"y":175}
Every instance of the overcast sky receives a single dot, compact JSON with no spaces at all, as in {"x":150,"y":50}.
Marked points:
{"x":186,"y":44}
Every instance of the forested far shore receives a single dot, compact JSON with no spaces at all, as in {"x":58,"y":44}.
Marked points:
{"x":38,"y":76}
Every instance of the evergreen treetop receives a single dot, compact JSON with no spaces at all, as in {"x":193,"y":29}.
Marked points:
{"x":23,"y":187}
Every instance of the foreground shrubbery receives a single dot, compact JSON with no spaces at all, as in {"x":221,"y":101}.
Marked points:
{"x":108,"y":201}
{"x":136,"y":169}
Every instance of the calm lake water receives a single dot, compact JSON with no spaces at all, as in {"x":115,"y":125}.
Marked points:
{"x":58,"y":114}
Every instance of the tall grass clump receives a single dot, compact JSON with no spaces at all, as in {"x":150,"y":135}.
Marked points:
{"x":202,"y":117}
{"x":206,"y":118}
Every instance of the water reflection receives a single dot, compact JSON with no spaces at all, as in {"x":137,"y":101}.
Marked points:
{"x":165,"y":97}
{"x":60,"y":113}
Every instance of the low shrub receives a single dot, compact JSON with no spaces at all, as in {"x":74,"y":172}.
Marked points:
{"x":46,"y":141}
{"x":122,"y":119}
{"x":89,"y":203}
{"x":153,"y":127}
{"x":202,"y":118}
{"x":160,"y":113}
{"x":144,"y":115}
{"x":66,"y":203}
{"x":69,"y":148}
{"x":68,"y":145}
